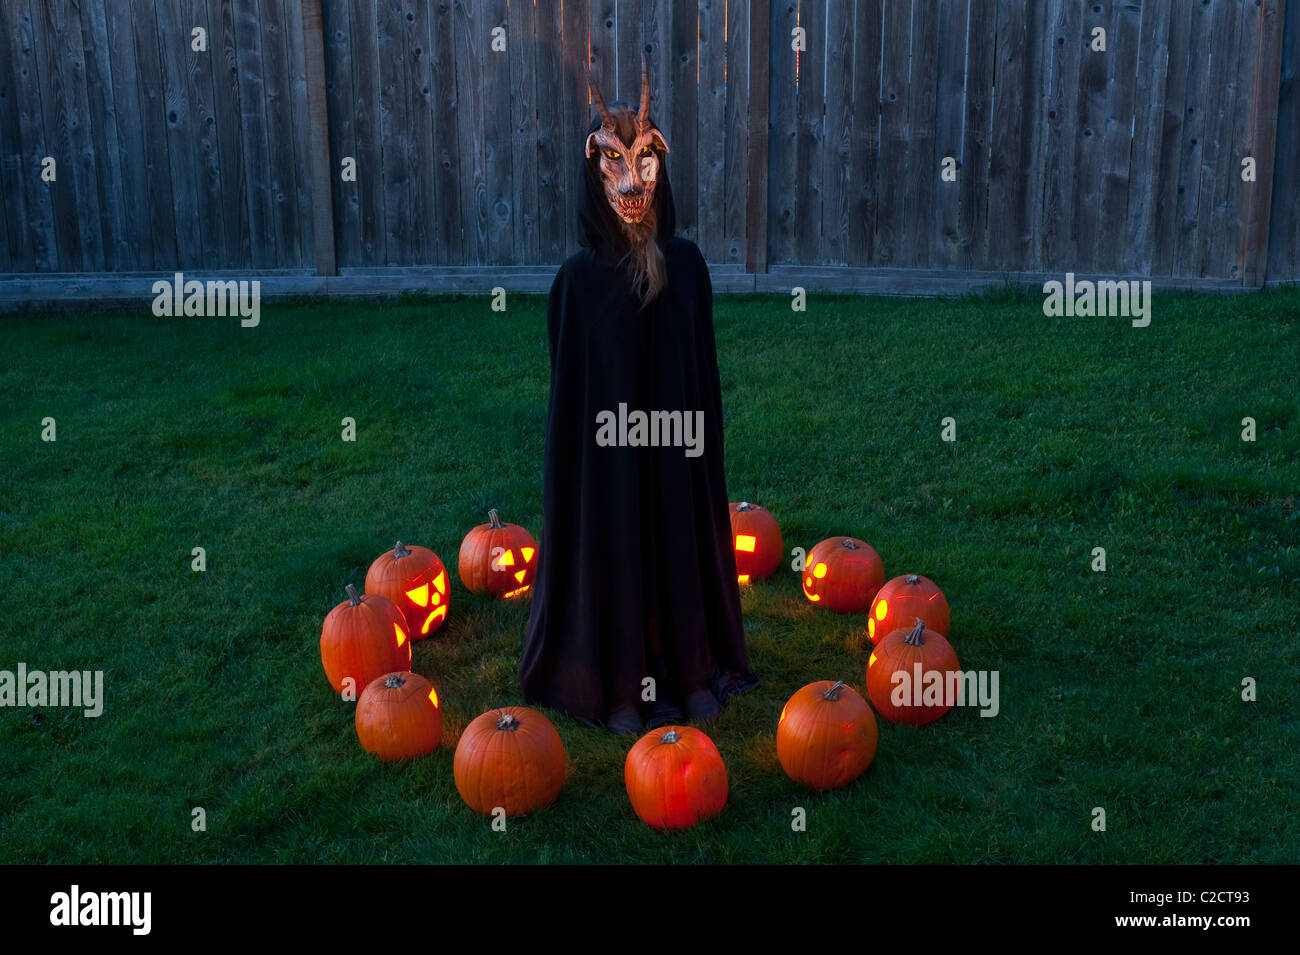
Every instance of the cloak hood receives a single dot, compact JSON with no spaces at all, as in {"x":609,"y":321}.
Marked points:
{"x":600,"y":228}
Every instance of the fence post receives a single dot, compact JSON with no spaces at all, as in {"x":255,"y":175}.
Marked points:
{"x":318,"y":139}
{"x":1253,"y":255}
{"x":756,"y":202}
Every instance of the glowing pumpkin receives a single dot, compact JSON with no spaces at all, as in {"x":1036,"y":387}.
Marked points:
{"x":757,"y":536}
{"x":843,"y":574}
{"x":905,"y":599}
{"x":826,"y":736}
{"x":510,"y":758}
{"x":414,"y":579}
{"x":398,"y":717}
{"x":675,"y":778}
{"x":364,"y":637}
{"x":498,"y":559}
{"x":907,"y":676}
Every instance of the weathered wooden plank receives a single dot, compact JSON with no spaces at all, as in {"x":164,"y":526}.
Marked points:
{"x":891,"y":232}
{"x":57,"y":115}
{"x":1284,"y":220}
{"x":1149,"y":107}
{"x":1165,"y":223}
{"x":1230,"y":227}
{"x":417,"y":90}
{"x":182,"y":128}
{"x":524,"y":110}
{"x":554,"y":152}
{"x":197,"y":90}
{"x":471,"y":48}
{"x":102,"y":127}
{"x":576,"y":109}
{"x":810,"y":116}
{"x":837,"y":139}
{"x":783,"y":122}
{"x":681,"y":106}
{"x":236,"y":249}
{"x":758,"y":200}
{"x":1117,"y":133}
{"x":1095,"y":70}
{"x":1256,"y":237}
{"x":19,"y":173}
{"x":278,"y":78}
{"x":1216,"y":156}
{"x":448,"y":231}
{"x":1007,"y":178}
{"x":342,"y":108}
{"x":712,"y":131}
{"x":362,"y":44}
{"x":950,"y":95}
{"x":922,"y":170}
{"x":296,"y":67}
{"x":1198,"y":94}
{"x":868,"y":40}
{"x":735,"y":139}
{"x":256,"y":144}
{"x":318,"y":140}
{"x":395,"y":133}
{"x":1064,"y":34}
{"x":498,"y":140}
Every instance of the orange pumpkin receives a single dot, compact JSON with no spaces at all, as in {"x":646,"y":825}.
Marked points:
{"x":414,"y":579}
{"x":498,"y":559}
{"x":757,"y":537}
{"x":398,"y":717}
{"x":908,"y":598}
{"x":826,"y":737}
{"x":362,"y":638}
{"x":510,"y":758}
{"x":675,"y":778}
{"x":843,"y":574}
{"x":907,"y":676}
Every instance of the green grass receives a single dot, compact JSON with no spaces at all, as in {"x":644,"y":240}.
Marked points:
{"x":1119,"y":689}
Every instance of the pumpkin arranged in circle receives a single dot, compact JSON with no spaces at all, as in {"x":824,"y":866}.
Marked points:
{"x":398,"y":717}
{"x":843,"y":574}
{"x":498,"y":559}
{"x":675,"y":778}
{"x":363,"y":637}
{"x":510,"y":758}
{"x":414,"y":579}
{"x":757,"y":537}
{"x":925,"y":659}
{"x":905,"y":599}
{"x":826,"y":737}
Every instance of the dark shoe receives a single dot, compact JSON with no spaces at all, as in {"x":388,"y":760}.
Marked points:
{"x":623,"y":721}
{"x":701,"y":704}
{"x":733,"y":683}
{"x":663,"y":712}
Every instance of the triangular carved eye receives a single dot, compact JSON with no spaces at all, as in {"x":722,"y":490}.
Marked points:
{"x":528,"y":553}
{"x":419,"y":596}
{"x":507,"y":559}
{"x":440,"y":582}
{"x":400,"y":634}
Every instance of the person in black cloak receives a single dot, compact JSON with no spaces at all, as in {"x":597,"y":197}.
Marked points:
{"x":637,"y":574}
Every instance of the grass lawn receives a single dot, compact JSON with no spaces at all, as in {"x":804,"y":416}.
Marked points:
{"x":1119,"y":689}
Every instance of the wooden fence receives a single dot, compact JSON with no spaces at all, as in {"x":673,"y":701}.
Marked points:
{"x":829,"y":156}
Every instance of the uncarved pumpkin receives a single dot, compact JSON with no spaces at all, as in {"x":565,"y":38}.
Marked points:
{"x":675,"y":778}
{"x":826,"y":736}
{"x":398,"y":717}
{"x":510,"y":758}
{"x":757,"y":538}
{"x":364,"y":637}
{"x":843,"y":574}
{"x":498,"y":558}
{"x":902,"y":651}
{"x":413,"y":578}
{"x":905,"y":599}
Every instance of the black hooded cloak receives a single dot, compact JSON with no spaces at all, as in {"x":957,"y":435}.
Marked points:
{"x":636,"y":575}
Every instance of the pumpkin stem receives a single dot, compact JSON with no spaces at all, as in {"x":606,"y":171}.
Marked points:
{"x":394,"y":680}
{"x":494,"y":519}
{"x":914,"y":638}
{"x":744,"y":506}
{"x":353,"y":597}
{"x":833,"y":693}
{"x":400,"y":551}
{"x":912,"y":579}
{"x":507,"y":721}
{"x":670,"y":737}
{"x":850,"y":544}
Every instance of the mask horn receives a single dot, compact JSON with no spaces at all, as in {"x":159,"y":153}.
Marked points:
{"x":643,"y":115}
{"x":605,"y":119}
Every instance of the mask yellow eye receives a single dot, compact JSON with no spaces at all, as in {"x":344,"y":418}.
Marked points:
{"x":611,"y":154}
{"x":645,"y":151}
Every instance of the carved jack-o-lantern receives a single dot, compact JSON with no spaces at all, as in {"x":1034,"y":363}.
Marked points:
{"x":905,"y":599}
{"x":414,"y":579}
{"x":498,"y":559}
{"x":843,"y":574}
{"x":757,"y":537}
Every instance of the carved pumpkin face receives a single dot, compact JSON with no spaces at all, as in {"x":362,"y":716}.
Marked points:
{"x":414,"y":579}
{"x":498,"y":559}
{"x":757,"y":538}
{"x":843,"y":574}
{"x":902,"y":601}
